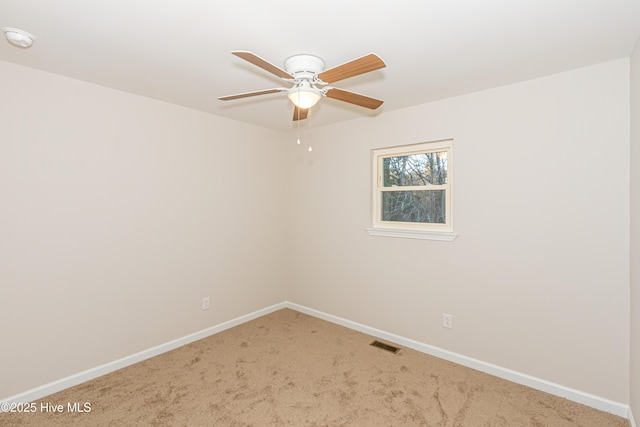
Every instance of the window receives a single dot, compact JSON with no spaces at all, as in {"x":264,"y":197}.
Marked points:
{"x":412,"y":191}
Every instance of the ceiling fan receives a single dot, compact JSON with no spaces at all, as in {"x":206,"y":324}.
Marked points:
{"x":311,"y":81}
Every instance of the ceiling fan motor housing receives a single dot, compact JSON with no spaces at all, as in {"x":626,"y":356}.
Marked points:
{"x":304,"y":66}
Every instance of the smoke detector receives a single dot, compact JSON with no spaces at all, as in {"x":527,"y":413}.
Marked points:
{"x":18,"y":37}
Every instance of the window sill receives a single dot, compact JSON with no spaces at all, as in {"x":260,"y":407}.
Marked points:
{"x":444,"y":236}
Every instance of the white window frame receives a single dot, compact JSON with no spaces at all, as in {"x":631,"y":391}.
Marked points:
{"x":430,"y":231}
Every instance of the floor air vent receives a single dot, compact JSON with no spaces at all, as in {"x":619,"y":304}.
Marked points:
{"x":385,"y":347}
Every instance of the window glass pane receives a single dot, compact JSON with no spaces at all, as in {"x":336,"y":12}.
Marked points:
{"x":415,"y":169}
{"x":426,"y":206}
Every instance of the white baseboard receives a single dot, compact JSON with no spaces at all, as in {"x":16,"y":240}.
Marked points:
{"x":596,"y":402}
{"x":70,"y":381}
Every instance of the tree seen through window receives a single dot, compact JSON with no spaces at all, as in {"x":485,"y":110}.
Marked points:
{"x":423,"y":205}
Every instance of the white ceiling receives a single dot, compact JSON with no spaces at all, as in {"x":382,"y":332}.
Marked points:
{"x":179,"y":50}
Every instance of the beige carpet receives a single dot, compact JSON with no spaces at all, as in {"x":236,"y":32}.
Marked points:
{"x":290,"y":369}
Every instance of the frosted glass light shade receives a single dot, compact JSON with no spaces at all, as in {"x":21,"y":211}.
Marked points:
{"x":304,"y":97}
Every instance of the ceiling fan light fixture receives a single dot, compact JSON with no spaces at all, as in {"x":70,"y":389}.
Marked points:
{"x":18,"y":37}
{"x":304,"y":96}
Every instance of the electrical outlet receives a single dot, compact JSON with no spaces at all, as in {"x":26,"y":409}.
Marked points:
{"x":447,"y":320}
{"x":205,"y":303}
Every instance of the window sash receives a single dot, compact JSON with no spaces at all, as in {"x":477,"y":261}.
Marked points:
{"x":415,"y":188}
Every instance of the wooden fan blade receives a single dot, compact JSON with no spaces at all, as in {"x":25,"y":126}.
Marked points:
{"x":299,"y":113}
{"x":247,"y":94}
{"x":358,"y":66}
{"x":354,"y":98}
{"x":265,"y":65}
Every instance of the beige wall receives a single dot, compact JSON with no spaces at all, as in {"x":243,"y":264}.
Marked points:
{"x":119,"y":213}
{"x":538,"y":279}
{"x":635,"y":233}
{"x":113,"y":227}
